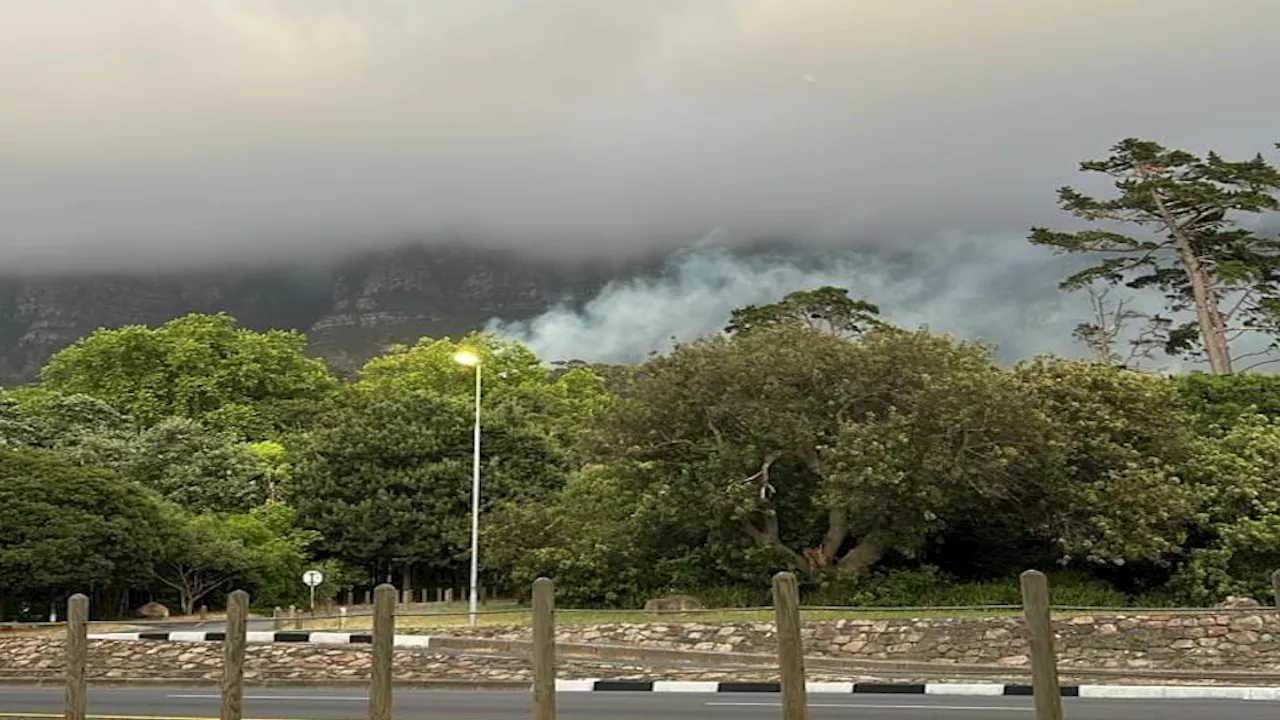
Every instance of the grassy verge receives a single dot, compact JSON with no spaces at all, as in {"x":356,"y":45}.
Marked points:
{"x":513,"y":616}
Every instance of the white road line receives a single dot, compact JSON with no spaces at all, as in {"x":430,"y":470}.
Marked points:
{"x":872,"y":706}
{"x":317,"y":698}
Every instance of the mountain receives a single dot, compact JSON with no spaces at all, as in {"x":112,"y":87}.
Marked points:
{"x":350,"y":309}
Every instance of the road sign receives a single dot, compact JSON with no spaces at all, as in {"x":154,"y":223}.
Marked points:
{"x":312,"y":578}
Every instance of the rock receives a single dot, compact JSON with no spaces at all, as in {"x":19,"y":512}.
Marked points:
{"x":674,"y":603}
{"x":153,"y":610}
{"x":1248,"y":622}
{"x":1237,"y":603}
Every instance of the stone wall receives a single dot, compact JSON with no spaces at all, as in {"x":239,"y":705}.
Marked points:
{"x":1137,"y":642}
{"x":119,"y":660}
{"x":1150,"y":641}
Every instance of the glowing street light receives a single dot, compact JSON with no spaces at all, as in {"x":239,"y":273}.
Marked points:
{"x":471,"y":359}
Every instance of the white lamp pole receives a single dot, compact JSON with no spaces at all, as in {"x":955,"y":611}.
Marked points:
{"x":464,"y":357}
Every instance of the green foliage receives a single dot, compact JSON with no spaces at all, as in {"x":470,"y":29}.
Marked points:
{"x":387,"y":480}
{"x":15,"y":430}
{"x":1238,"y":478}
{"x":1219,"y":401}
{"x":589,"y":538}
{"x":826,"y":309}
{"x":205,"y":553}
{"x":199,"y":469}
{"x":515,"y":382}
{"x":200,"y":367}
{"x":65,"y":528}
{"x":1114,"y":433}
{"x":279,"y":548}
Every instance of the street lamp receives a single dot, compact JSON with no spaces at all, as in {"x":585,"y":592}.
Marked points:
{"x":471,"y":359}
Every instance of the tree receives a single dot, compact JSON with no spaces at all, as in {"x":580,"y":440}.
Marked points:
{"x":205,"y":553}
{"x":826,"y":309}
{"x":66,"y":528}
{"x":765,"y":433}
{"x":589,"y":538}
{"x":200,"y":367}
{"x":1191,"y":249}
{"x":386,"y":479}
{"x":1106,"y":331}
{"x":558,"y":402}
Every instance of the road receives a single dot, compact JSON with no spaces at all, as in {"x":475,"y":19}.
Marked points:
{"x":315,"y":704}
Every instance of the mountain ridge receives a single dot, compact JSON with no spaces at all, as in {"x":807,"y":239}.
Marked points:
{"x":351,"y":309}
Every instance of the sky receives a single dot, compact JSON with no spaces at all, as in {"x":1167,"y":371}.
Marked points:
{"x":151,"y":134}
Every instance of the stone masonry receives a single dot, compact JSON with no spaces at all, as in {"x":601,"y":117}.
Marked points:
{"x":1230,"y":641}
{"x":1227,"y":640}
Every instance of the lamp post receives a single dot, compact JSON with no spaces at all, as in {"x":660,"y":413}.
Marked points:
{"x":471,"y":359}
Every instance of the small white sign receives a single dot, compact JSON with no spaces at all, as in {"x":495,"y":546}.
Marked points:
{"x":312,"y":578}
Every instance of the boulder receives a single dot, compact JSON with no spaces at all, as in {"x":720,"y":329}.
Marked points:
{"x":673,"y":603}
{"x":1239,"y":603}
{"x":153,"y":610}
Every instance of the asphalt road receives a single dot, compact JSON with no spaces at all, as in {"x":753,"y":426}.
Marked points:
{"x":317,"y":704}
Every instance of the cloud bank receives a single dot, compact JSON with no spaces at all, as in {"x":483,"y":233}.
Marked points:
{"x":145,"y":134}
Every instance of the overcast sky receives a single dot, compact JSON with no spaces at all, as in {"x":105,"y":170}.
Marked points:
{"x":155,"y":131}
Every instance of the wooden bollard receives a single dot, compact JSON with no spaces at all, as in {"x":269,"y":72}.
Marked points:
{"x":384,"y":630}
{"x":448,"y":596}
{"x":77,"y":655}
{"x":233,"y":646}
{"x":1044,"y":659}
{"x":786,"y":610}
{"x":204,"y":613}
{"x":544,"y":649}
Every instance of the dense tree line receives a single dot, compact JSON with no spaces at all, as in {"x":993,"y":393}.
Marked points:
{"x":884,"y":464}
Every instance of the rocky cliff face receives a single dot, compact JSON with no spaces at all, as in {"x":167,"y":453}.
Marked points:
{"x":350,"y":310}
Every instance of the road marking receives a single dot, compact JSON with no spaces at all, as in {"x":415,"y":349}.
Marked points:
{"x":308,"y":698}
{"x":872,"y":706}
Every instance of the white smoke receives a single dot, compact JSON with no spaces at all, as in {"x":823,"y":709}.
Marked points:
{"x":1002,"y":291}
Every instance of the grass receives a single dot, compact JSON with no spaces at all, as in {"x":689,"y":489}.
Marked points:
{"x":512,"y":615}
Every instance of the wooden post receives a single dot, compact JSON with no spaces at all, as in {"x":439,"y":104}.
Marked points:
{"x":384,"y":629}
{"x":296,"y":617}
{"x":448,"y":595}
{"x":786,"y":609}
{"x":233,"y":646}
{"x":1044,"y":659}
{"x":77,"y":655}
{"x":544,"y":649}
{"x":1275,"y":586}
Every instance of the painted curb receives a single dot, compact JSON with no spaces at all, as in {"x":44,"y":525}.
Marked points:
{"x":1110,"y":692}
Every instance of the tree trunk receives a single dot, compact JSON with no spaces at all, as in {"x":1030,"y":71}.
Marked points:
{"x":1213,"y":328}
{"x":187,"y":600}
{"x":866,"y":553}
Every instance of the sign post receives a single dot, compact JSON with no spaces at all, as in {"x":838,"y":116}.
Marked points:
{"x":312,"y":579}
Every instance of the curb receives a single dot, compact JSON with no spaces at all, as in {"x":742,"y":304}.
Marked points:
{"x":1110,"y":692}
{"x":1107,"y":692}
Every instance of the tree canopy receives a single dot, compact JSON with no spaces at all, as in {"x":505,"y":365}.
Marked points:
{"x":200,"y":367}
